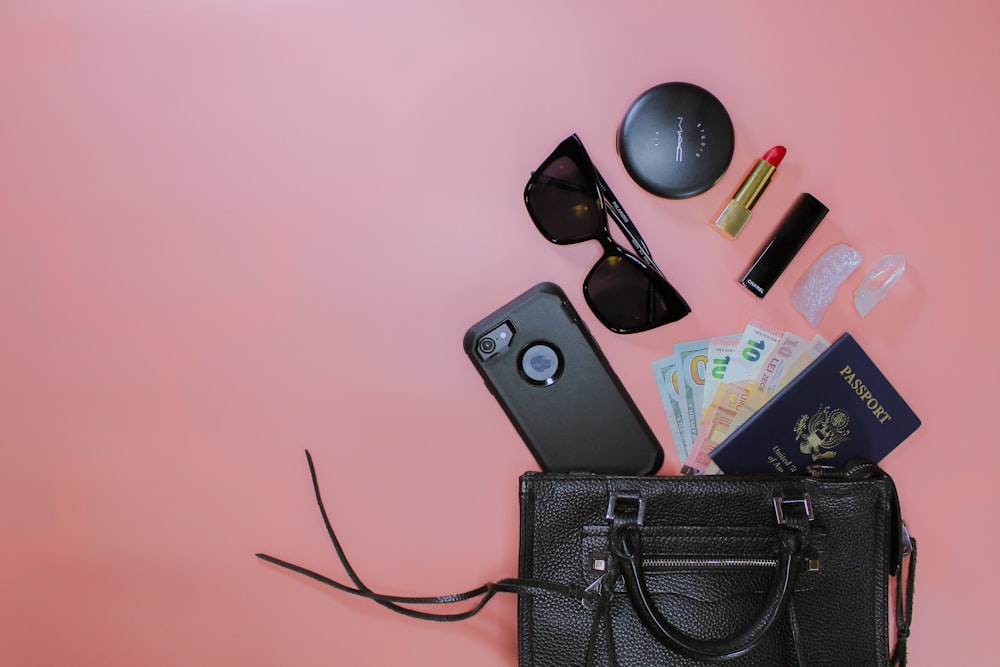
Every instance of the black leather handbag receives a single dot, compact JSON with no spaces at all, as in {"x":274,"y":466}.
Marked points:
{"x":757,"y":570}
{"x":762,"y":571}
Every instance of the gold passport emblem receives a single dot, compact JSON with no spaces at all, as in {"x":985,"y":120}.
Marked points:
{"x":821,"y":432}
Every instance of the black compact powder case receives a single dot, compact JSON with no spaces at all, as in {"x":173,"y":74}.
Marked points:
{"x":676,"y":140}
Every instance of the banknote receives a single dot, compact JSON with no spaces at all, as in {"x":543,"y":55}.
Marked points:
{"x":774,"y":370}
{"x":669,"y":383}
{"x":815,"y":348}
{"x":692,"y":367}
{"x":718,"y":354}
{"x":752,"y":351}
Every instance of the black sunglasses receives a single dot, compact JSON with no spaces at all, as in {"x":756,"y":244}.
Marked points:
{"x":568,"y":201}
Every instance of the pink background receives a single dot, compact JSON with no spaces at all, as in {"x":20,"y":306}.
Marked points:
{"x":231,"y":231}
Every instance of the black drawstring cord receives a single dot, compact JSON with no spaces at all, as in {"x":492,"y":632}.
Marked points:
{"x":393,"y":602}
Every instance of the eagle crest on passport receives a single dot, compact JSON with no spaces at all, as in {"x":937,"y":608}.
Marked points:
{"x":822,"y":432}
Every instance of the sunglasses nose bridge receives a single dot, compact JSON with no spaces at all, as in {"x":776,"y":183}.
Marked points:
{"x":608,"y":244}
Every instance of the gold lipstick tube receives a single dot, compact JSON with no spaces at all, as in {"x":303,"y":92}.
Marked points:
{"x":737,"y":211}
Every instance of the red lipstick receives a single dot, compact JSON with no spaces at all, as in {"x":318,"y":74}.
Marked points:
{"x":737,"y":211}
{"x":775,"y":156}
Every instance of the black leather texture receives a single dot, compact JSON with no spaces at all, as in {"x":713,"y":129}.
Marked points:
{"x":707,"y":570}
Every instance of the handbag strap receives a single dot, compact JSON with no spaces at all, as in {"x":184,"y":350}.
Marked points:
{"x":596,"y":597}
{"x":904,"y":606}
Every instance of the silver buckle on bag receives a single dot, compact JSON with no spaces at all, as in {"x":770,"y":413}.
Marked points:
{"x":780,"y":501}
{"x":907,"y":542}
{"x":633,"y":496}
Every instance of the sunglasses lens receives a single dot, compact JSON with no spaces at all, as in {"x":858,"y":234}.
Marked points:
{"x":629,"y":298}
{"x":562,"y":200}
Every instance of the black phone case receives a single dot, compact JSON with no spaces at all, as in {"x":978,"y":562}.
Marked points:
{"x":581,"y":419}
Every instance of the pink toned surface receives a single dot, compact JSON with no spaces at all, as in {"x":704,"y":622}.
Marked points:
{"x":233,"y":231}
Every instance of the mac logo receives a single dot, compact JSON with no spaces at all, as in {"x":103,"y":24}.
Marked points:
{"x":679,"y":154}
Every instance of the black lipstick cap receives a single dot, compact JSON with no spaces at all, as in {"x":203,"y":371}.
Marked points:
{"x":795,"y":228}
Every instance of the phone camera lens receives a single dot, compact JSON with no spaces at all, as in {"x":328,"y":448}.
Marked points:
{"x":487,"y":345}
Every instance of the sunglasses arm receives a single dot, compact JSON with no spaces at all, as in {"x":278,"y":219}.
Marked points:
{"x":614,"y":208}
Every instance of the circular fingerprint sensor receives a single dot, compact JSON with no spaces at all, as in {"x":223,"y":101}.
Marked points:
{"x":541,"y":364}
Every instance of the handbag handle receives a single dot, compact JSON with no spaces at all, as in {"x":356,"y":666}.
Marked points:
{"x":626,"y":544}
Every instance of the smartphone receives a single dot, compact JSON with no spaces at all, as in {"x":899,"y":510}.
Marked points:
{"x":540,"y":361}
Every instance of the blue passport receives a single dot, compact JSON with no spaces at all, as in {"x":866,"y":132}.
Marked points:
{"x":840,"y":407}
